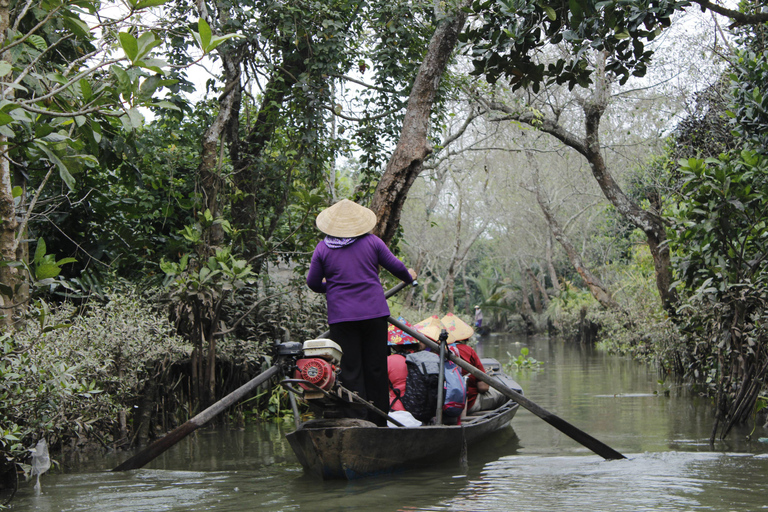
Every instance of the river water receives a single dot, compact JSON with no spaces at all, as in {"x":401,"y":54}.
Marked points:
{"x":661,"y":427}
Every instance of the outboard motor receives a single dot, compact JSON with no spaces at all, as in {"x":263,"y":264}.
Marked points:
{"x":313,"y":366}
{"x":319,"y":366}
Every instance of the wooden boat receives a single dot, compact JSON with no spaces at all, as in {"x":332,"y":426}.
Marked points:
{"x":350,"y":449}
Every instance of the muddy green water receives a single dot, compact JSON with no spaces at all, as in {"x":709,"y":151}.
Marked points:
{"x":529,"y":466}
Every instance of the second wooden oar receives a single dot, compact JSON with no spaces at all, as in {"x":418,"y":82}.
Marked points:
{"x":560,"y":424}
{"x":161,"y":445}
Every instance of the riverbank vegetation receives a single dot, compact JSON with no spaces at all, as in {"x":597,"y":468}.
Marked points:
{"x":596,"y":171}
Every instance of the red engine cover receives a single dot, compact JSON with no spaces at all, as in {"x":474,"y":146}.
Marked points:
{"x":317,"y":371}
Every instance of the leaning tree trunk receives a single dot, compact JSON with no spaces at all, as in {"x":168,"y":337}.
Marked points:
{"x":589,"y":146}
{"x":412,"y":148}
{"x":650,"y":223}
{"x":551,"y":266}
{"x":595,"y":285}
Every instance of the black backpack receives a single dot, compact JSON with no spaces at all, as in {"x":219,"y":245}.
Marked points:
{"x":420,"y":398}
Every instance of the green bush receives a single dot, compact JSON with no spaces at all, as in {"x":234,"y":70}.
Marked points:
{"x":67,"y":376}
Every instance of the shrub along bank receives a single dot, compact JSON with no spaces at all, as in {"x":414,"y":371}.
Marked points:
{"x":113,"y":375}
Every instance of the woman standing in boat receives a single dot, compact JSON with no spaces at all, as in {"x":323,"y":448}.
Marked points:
{"x":345,"y":266}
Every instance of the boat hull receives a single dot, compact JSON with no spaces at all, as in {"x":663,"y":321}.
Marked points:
{"x":342,"y":450}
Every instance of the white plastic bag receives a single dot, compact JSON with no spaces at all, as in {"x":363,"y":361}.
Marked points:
{"x":41,"y":462}
{"x":403,"y":417}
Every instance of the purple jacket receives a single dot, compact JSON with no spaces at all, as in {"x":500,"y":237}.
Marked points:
{"x":352,"y":286}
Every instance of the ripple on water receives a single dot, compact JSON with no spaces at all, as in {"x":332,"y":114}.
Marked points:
{"x":669,"y":481}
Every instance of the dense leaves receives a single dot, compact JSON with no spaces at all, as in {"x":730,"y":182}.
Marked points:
{"x":721,"y":241}
{"x":750,"y":94}
{"x":509,"y":34}
{"x":70,"y":374}
{"x":723,"y":233}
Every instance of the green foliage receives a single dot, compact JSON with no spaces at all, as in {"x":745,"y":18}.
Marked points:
{"x":63,"y":107}
{"x":707,"y":130}
{"x":80,"y":86}
{"x":274,"y":405}
{"x":198,"y":290}
{"x":278,"y":311}
{"x":721,"y":245}
{"x":748,"y":78}
{"x":523,"y":361}
{"x":65,"y":376}
{"x":496,"y":298}
{"x":760,"y":404}
{"x":221,"y":273}
{"x":205,"y":40}
{"x":640,"y":328}
{"x":510,"y":32}
{"x":46,"y":267}
{"x":41,"y":275}
{"x":569,"y":301}
{"x":721,"y":234}
{"x":750,"y":98}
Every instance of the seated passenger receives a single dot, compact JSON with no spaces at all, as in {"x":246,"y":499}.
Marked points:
{"x":454,"y":391}
{"x":401,"y":345}
{"x":480,"y":396}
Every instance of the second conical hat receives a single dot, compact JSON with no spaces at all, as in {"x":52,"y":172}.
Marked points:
{"x":458,"y":327}
{"x":346,"y":219}
{"x":431,"y":328}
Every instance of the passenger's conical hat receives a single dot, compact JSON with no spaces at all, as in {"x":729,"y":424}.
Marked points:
{"x":458,"y":327}
{"x":396,"y":336}
{"x":431,"y":328}
{"x":346,"y":219}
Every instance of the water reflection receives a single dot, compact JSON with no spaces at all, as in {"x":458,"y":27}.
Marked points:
{"x":527,"y":467}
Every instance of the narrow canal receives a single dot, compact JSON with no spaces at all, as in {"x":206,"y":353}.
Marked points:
{"x":661,"y":427}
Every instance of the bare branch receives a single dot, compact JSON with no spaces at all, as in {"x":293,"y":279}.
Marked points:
{"x":367,"y":86}
{"x":740,"y":18}
{"x":22,"y":228}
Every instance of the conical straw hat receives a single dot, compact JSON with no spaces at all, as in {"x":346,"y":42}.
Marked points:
{"x":431,"y":328}
{"x":346,"y":219}
{"x":458,"y":327}
{"x":396,"y":336}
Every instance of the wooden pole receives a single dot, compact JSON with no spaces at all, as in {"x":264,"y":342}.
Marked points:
{"x":161,"y":445}
{"x":560,"y":424}
{"x":441,"y":379}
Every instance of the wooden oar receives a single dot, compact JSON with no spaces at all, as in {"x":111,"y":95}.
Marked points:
{"x":560,"y":424}
{"x":161,"y":445}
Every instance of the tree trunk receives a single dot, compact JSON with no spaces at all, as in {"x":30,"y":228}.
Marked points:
{"x":525,"y":303}
{"x":448,"y":290}
{"x":551,"y":265}
{"x":245,"y":154}
{"x":211,"y":180}
{"x":455,"y":260}
{"x":650,"y":223}
{"x":9,"y":277}
{"x":535,"y":291}
{"x":540,"y":294}
{"x":596,"y":287}
{"x":467,"y":296}
{"x":412,"y":148}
